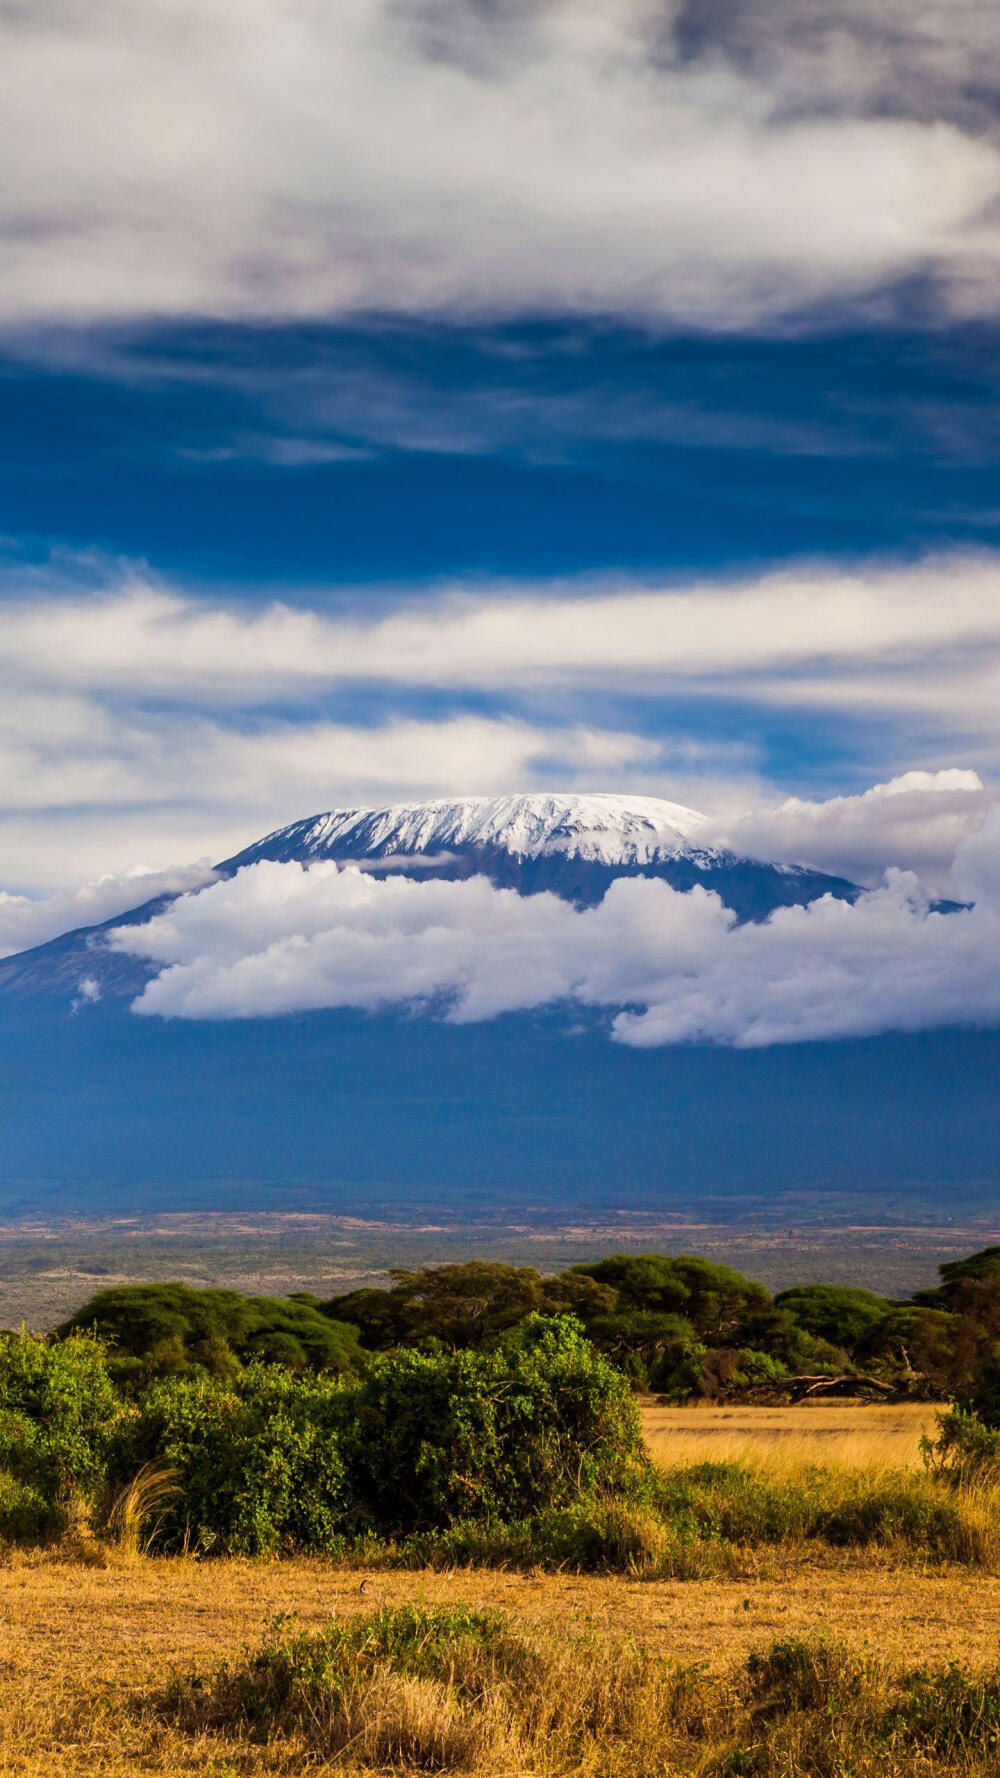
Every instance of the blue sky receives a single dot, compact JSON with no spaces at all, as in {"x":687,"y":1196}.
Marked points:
{"x":440,"y":396}
{"x":265,"y":459}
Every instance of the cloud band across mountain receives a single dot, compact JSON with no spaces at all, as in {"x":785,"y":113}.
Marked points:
{"x":666,"y":967}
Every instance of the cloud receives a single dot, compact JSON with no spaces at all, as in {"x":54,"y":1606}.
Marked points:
{"x":86,"y":784}
{"x":26,"y":921}
{"x":918,"y":821}
{"x":188,"y":157}
{"x":138,"y":721}
{"x":927,"y":629}
{"x":667,"y":967}
{"x":871,"y":56}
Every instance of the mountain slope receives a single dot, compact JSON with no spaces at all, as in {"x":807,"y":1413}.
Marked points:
{"x":572,"y":846}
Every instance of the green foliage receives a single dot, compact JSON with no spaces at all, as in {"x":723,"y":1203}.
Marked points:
{"x":274,"y":1461}
{"x":463,"y":1305}
{"x":258,"y":1462}
{"x":844,"y":1317}
{"x":712,"y":1297}
{"x":436,"y":1437}
{"x":155,"y":1330}
{"x":58,"y":1413}
{"x":980,"y":1267}
{"x":966,"y":1447}
{"x":968,"y":1358}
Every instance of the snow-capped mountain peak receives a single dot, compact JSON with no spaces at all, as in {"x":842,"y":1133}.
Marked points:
{"x":573,"y":846}
{"x":601,"y":828}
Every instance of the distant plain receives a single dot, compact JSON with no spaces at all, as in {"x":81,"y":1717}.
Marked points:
{"x":50,"y":1265}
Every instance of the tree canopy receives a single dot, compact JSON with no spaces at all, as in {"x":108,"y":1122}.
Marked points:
{"x":162,"y":1329}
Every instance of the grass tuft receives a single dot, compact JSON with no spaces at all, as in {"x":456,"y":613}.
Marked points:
{"x":437,"y":1688}
{"x":134,"y":1514}
{"x":418,"y":1688}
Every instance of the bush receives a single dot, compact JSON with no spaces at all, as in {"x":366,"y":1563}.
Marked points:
{"x":966,"y":1448}
{"x":258,"y":1465}
{"x":434,"y":1438}
{"x":58,"y":1414}
{"x":454,"y":1688}
{"x":273,"y":1461}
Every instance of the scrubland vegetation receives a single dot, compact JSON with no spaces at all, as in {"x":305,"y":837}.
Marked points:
{"x":484,"y":1419}
{"x":180,"y":1668}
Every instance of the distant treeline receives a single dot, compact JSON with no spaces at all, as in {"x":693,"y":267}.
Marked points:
{"x":486,"y":1412}
{"x":683,"y":1326}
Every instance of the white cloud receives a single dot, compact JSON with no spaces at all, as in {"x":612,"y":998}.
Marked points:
{"x":669,"y":967}
{"x":832,"y":970}
{"x":192,"y":157}
{"x":926,"y":632}
{"x":139,"y":722}
{"x":85,"y":786}
{"x":917,"y":821}
{"x":27,"y":921}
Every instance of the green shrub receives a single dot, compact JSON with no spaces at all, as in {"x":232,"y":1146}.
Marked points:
{"x":273,"y":1461}
{"x":966,"y":1448}
{"x":58,"y":1415}
{"x":434,"y":1438}
{"x":258,"y":1465}
{"x":439,"y":1688}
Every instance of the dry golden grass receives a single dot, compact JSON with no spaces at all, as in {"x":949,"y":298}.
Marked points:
{"x":79,"y":1641}
{"x":82,"y":1640}
{"x":855,"y":1435}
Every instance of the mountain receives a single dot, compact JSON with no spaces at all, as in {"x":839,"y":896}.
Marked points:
{"x":394,"y":1116}
{"x":572,"y":846}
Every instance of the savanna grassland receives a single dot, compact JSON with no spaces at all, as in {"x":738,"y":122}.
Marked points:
{"x":90,"y":1653}
{"x":112,"y":1658}
{"x":638,"y":1519}
{"x":852,"y":1434}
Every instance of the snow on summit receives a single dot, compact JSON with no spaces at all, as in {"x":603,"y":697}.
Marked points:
{"x":602,"y":828}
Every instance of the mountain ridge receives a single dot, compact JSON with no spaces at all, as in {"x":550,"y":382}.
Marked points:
{"x":571,"y":845}
{"x":599,"y":826}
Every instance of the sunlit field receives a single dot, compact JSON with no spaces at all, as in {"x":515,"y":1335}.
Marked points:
{"x":859,"y":1435}
{"x":118,"y":1662}
{"x":114,"y":1669}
